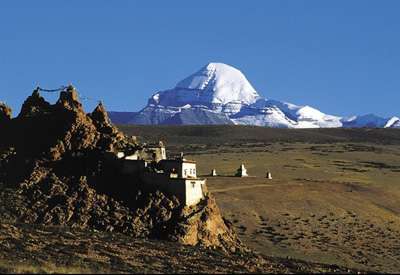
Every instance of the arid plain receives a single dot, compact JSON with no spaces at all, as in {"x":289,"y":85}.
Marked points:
{"x":334,"y":197}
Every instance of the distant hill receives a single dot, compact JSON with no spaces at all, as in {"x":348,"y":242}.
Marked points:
{"x":232,"y":134}
{"x":121,"y":117}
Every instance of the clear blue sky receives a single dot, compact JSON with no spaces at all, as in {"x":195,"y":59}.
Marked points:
{"x":341,"y":57}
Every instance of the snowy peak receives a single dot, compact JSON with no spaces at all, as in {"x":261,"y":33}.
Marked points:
{"x":216,"y":84}
{"x":222,"y":83}
{"x":393,"y":122}
{"x":201,"y":79}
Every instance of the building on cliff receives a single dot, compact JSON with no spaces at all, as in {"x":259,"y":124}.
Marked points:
{"x":175,"y":177}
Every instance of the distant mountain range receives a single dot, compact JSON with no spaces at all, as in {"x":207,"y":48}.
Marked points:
{"x":221,"y":94}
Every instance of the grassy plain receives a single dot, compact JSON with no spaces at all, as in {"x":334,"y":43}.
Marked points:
{"x":334,"y":197}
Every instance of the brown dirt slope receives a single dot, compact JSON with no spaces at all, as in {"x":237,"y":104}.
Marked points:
{"x":44,"y":249}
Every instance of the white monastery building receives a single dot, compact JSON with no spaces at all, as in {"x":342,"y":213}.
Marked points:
{"x":175,"y":177}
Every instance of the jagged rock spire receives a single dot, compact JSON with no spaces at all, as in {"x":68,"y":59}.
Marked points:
{"x":34,"y":105}
{"x":101,"y":120}
{"x":5,"y":112}
{"x":69,"y":99}
{"x":100,"y":114}
{"x":109,"y":133}
{"x":65,"y":127}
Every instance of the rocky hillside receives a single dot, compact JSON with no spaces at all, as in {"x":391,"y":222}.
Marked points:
{"x":55,"y":169}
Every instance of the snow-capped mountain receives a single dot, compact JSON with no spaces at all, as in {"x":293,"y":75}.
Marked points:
{"x":393,"y":122}
{"x":370,"y":121}
{"x":274,"y":113}
{"x":221,"y":94}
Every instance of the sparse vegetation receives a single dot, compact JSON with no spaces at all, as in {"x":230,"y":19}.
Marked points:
{"x":333,"y":198}
{"x":44,"y":249}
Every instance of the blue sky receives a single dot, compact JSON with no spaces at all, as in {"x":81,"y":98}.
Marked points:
{"x":341,"y":57}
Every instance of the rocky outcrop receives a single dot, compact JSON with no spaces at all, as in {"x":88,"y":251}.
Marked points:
{"x":62,"y":127}
{"x":101,"y":120}
{"x":33,"y":105}
{"x":109,"y":134}
{"x":203,"y":224}
{"x":5,"y":112}
{"x":56,"y":200}
{"x":57,"y":160}
{"x":69,"y":99}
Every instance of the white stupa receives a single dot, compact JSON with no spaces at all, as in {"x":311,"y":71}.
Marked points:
{"x":242,"y":171}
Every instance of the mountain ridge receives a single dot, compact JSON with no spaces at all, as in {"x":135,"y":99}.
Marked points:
{"x":221,"y":94}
